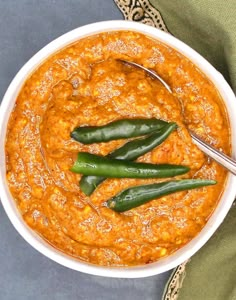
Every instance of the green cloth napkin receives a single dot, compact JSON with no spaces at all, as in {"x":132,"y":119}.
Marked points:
{"x":208,"y":26}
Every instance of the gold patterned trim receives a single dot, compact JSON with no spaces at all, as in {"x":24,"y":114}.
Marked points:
{"x":175,"y":282}
{"x":141,"y":11}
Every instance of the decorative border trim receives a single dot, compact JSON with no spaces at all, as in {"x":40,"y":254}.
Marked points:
{"x":141,"y":11}
{"x":175,"y":282}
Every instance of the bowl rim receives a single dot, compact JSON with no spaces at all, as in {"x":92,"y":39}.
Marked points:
{"x":7,"y":200}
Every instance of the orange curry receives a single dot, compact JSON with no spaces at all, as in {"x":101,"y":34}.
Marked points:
{"x":83,"y":84}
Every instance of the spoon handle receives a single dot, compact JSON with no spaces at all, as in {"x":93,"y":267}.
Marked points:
{"x":215,"y":154}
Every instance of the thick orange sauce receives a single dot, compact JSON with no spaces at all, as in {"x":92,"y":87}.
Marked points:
{"x":83,"y":84}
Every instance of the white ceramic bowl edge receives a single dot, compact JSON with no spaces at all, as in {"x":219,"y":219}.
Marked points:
{"x":8,"y":202}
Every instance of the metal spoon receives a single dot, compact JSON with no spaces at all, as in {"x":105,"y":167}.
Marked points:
{"x":215,"y":154}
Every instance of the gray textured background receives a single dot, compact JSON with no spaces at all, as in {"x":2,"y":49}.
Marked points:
{"x":25,"y":27}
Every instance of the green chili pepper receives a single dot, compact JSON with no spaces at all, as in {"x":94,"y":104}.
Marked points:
{"x":130,"y":151}
{"x":138,"y":195}
{"x":120,"y":129}
{"x":90,"y":164}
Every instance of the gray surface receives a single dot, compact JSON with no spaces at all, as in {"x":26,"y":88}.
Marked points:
{"x":25,"y":27}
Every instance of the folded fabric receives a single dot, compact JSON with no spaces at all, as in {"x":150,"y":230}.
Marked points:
{"x":210,"y":273}
{"x":209,"y":27}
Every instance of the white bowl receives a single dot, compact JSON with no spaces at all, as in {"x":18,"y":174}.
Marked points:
{"x":9,"y":204}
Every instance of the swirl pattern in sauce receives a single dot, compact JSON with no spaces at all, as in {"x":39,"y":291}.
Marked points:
{"x":83,"y":84}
